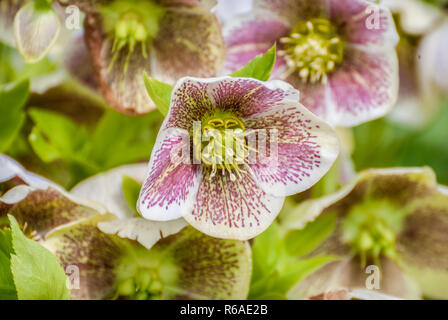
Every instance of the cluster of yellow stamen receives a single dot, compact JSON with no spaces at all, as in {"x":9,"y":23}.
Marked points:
{"x":223,"y":145}
{"x":313,"y":50}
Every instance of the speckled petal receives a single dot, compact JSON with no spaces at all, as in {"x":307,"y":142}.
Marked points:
{"x":248,"y":98}
{"x":172,"y":181}
{"x":365,"y":87}
{"x":250,"y":35}
{"x":193,"y":98}
{"x":107,"y":188}
{"x":307,"y":148}
{"x":229,"y":209}
{"x":208,"y":268}
{"x":36,"y":30}
{"x":422,"y":244}
{"x":37,"y":202}
{"x":43,"y":210}
{"x":364,"y":24}
{"x":95,"y":254}
{"x":189,"y":43}
{"x":125,"y":91}
{"x":189,"y":102}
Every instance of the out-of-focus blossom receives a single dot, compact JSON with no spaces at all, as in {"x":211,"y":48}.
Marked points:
{"x":178,"y":263}
{"x":340,"y":54}
{"x":433,"y":66}
{"x":415,"y":16}
{"x":417,"y":50}
{"x":167,"y":39}
{"x":394,"y":219}
{"x":34,"y":27}
{"x":225,"y":191}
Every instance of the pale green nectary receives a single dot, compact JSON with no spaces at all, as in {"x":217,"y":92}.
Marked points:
{"x":172,"y":262}
{"x":395,"y":219}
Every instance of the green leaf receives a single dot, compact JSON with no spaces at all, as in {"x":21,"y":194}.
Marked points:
{"x":301,"y":242}
{"x":120,"y":139}
{"x":7,"y":287}
{"x":260,"y":67}
{"x":12,"y":100}
{"x":42,"y":147}
{"x":36,"y":271}
{"x":266,"y":251}
{"x":159,"y":92}
{"x":131,"y":191}
{"x":57,"y":137}
{"x":60,"y":131}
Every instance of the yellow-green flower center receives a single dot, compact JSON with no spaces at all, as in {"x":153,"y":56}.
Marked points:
{"x":129,"y":24}
{"x":143,"y":274}
{"x":313,"y":50}
{"x":370,"y":229}
{"x":223,"y":144}
{"x":144,"y":285}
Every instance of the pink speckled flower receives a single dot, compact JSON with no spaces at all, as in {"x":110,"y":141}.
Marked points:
{"x":339,"y":53}
{"x":237,"y":198}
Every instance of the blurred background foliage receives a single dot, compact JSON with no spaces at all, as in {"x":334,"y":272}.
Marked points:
{"x":384,"y":143}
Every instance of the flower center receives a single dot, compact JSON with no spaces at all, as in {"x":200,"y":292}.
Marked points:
{"x":145,"y":284}
{"x":143,"y":274}
{"x":223,"y":144}
{"x":129,"y":24}
{"x":130,"y":30}
{"x":313,"y":49}
{"x":370,"y":229}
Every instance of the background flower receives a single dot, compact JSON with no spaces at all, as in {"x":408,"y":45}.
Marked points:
{"x":326,"y":47}
{"x":166,"y":39}
{"x":395,"y":219}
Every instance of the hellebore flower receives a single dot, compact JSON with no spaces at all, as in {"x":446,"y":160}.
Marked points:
{"x":392,"y":219}
{"x":176,"y":262}
{"x":231,"y":185}
{"x":418,"y":96}
{"x":338,"y":53}
{"x":167,"y":39}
